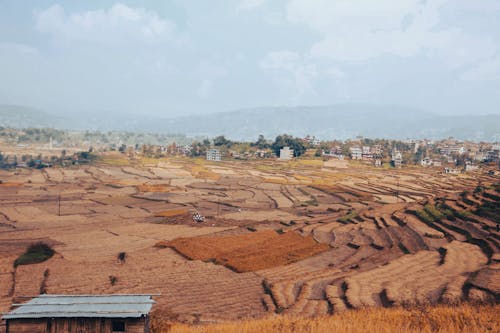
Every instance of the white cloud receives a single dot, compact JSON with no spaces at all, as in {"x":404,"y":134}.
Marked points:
{"x":246,"y":5}
{"x":292,"y":71}
{"x":357,"y":31}
{"x":486,"y":71}
{"x":280,"y":60}
{"x":205,"y":89}
{"x":483,"y":6}
{"x":117,"y":24}
{"x":17,"y":48}
{"x":336,"y":73}
{"x":209,"y":73}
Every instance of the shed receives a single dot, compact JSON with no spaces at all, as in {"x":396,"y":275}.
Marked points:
{"x":81,"y":314}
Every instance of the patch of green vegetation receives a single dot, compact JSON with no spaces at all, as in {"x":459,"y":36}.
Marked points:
{"x":451,"y":213}
{"x":312,"y":202}
{"x":348,"y":218}
{"x":36,"y":253}
{"x":434,"y":212}
{"x":478,"y":189}
{"x":424,"y":216}
{"x":463,"y":215}
{"x":467,"y":201}
{"x":113,"y":280}
{"x":491,"y":196}
{"x":489,"y":210}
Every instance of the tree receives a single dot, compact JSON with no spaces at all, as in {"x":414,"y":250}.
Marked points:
{"x":261,"y":143}
{"x":286,"y":140}
{"x":420,"y":154}
{"x":221,"y":141}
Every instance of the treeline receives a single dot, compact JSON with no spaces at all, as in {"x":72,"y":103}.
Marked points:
{"x":75,"y":138}
{"x":40,"y":162}
{"x":298,"y":145}
{"x":301,"y":145}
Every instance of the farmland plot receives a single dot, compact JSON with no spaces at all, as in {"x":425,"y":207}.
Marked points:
{"x":301,"y":238}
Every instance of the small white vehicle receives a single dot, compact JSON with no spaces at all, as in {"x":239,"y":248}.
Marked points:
{"x":197,"y":217}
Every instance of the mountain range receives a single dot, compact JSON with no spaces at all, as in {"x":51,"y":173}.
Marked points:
{"x":340,"y":121}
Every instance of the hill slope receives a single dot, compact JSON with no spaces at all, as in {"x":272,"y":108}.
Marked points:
{"x":341,"y":121}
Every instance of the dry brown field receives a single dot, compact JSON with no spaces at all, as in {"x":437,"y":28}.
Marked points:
{"x":302,"y":238}
{"x":249,"y":252}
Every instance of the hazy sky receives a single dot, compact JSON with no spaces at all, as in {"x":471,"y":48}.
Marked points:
{"x":173,"y":57}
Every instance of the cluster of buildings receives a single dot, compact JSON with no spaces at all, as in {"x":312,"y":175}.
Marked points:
{"x":426,"y":153}
{"x":448,"y":153}
{"x":480,"y":152}
{"x":335,"y":152}
{"x":366,"y":153}
{"x":429,"y":162}
{"x":311,"y":140}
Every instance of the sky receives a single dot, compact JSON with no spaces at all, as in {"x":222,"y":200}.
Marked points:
{"x":173,"y":57}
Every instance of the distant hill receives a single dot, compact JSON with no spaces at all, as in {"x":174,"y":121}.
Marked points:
{"x":22,"y":116}
{"x":338,"y":121}
{"x":325,"y":122}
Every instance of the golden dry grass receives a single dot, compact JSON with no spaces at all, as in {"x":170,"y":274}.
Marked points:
{"x":115,"y":161}
{"x":317,"y":162}
{"x":11,"y":184}
{"x":439,"y":319}
{"x":126,"y":182}
{"x":301,"y":178}
{"x":157,"y":188}
{"x":277,"y":180}
{"x":200,"y":171}
{"x":172,"y":212}
{"x":148,"y":161}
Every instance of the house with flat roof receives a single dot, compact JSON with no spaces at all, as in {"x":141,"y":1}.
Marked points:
{"x":81,"y":314}
{"x":397,"y":159}
{"x":356,"y":153}
{"x":213,"y":155}
{"x":286,"y":153}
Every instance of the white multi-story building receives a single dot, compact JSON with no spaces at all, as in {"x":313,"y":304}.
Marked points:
{"x":452,"y":150}
{"x":470,"y":167}
{"x":427,"y":162}
{"x":397,"y":159}
{"x":356,"y":153}
{"x":213,"y":155}
{"x":286,"y":153}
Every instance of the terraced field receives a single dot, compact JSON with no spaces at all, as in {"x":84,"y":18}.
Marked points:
{"x":301,"y":238}
{"x":248,"y":252}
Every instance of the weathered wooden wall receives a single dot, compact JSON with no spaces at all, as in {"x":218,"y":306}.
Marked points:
{"x":73,"y":325}
{"x":27,"y":326}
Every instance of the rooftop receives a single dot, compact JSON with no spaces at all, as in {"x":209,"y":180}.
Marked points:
{"x":83,"y":306}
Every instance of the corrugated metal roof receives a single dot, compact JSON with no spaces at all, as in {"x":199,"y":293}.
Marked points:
{"x":83,"y":306}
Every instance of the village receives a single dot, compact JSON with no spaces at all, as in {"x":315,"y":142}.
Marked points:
{"x":450,"y":155}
